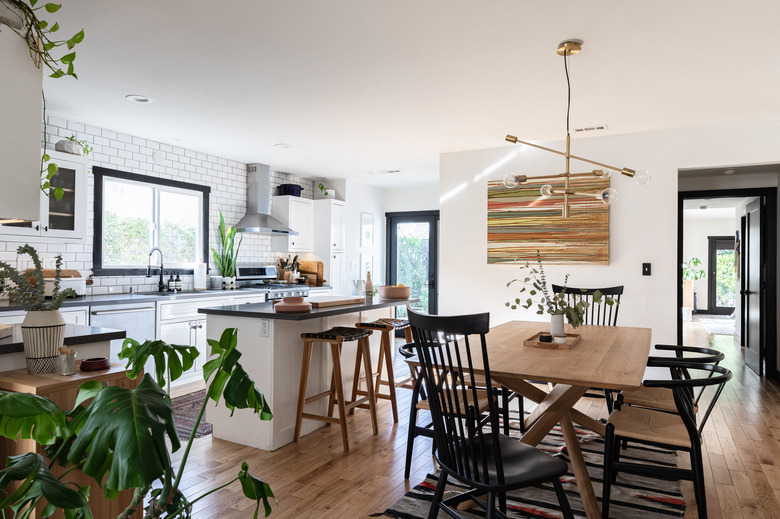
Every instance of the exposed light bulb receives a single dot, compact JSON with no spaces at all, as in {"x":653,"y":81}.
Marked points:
{"x":510,"y":180}
{"x":642,"y":177}
{"x":604,"y":173}
{"x":608,"y":196}
{"x":546,"y":191}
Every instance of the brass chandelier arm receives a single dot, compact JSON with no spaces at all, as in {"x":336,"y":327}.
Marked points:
{"x":625,"y":171}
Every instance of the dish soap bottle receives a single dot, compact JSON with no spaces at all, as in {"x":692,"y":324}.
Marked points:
{"x":369,"y":286}
{"x":171,"y":283}
{"x":178,"y":283}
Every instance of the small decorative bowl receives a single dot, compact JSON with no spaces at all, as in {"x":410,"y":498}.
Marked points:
{"x":95,"y":364}
{"x":394,"y":292}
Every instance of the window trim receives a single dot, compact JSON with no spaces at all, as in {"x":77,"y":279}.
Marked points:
{"x":97,"y":239}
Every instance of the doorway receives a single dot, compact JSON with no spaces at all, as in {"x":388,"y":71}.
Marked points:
{"x":412,"y":256}
{"x":754,"y":308}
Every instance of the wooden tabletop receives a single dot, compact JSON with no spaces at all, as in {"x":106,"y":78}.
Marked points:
{"x":612,"y":357}
{"x":19,"y":381}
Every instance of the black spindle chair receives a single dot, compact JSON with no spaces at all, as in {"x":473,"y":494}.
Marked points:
{"x":467,"y":447}
{"x":677,"y":431}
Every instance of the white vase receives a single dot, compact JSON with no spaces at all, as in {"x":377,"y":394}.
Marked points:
{"x":556,"y":324}
{"x":43,"y":332}
{"x":228,"y":283}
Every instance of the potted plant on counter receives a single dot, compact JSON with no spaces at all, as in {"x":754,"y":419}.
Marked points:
{"x":43,"y":328}
{"x":226,"y":257}
{"x":556,"y":305}
{"x":123,"y":438}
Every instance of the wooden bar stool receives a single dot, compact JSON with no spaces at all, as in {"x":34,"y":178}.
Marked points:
{"x":335,"y":337}
{"x":386,"y":326}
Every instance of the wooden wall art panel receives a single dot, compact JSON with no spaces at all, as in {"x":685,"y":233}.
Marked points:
{"x":520,"y":222}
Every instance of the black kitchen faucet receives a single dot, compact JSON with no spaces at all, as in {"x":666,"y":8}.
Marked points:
{"x":161,"y":285}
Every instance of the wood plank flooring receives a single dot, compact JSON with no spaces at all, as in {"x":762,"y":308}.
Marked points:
{"x":315,"y":479}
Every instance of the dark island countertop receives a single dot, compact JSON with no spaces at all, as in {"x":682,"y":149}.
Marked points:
{"x":75,"y":334}
{"x":266,"y":310}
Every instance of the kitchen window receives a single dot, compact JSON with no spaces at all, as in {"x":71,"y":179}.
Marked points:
{"x":134,"y":213}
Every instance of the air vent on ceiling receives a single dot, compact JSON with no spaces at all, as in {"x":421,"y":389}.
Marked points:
{"x":589,"y":129}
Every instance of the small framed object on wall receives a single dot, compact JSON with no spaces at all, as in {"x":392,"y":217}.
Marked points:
{"x":366,"y":230}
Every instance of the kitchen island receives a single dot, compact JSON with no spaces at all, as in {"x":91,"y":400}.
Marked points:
{"x":271,"y":347}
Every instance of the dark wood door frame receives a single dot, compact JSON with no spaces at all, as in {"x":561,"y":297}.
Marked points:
{"x":770,"y":245}
{"x":712,"y":259}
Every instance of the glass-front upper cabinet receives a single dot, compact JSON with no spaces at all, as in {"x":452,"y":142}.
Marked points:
{"x":64,"y":218}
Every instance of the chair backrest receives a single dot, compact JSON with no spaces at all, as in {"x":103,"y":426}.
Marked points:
{"x":447,"y":347}
{"x":601,"y":313}
{"x":687,"y":377}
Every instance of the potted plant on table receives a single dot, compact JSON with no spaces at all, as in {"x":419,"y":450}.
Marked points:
{"x":226,"y":257}
{"x":691,"y":272}
{"x":43,"y":328}
{"x":556,"y":305}
{"x":121,"y":437}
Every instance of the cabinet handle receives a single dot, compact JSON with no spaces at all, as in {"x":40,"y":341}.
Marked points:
{"x":37,"y":227}
{"x":334,"y":244}
{"x":46,"y":228}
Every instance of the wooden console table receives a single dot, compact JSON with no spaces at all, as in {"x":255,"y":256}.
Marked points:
{"x":62,"y":390}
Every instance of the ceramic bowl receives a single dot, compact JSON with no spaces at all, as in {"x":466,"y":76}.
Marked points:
{"x":293,"y":304}
{"x":394,"y":292}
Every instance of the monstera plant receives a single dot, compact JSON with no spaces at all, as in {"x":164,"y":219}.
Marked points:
{"x":119,"y":436}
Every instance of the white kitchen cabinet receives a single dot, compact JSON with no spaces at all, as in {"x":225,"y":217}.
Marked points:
{"x":63,"y":219}
{"x":246,"y":299}
{"x":297,"y":213}
{"x":329,"y":241}
{"x":72,"y":315}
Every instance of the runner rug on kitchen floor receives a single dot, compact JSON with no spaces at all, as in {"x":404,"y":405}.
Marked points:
{"x":185,"y":412}
{"x":631,"y":497}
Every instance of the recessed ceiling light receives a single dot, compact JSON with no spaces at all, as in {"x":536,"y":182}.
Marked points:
{"x":134,"y":98}
{"x":389,"y":171}
{"x":729,"y":171}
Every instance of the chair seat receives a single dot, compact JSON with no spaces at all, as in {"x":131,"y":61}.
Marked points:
{"x":524,"y":465}
{"x":650,"y":425}
{"x":660,"y":398}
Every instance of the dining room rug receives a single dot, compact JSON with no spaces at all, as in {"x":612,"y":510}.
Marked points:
{"x":718,"y":326}
{"x":185,"y":412}
{"x":631,"y":497}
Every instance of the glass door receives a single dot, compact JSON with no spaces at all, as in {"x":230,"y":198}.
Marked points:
{"x":722,"y":284}
{"x":412,"y":253}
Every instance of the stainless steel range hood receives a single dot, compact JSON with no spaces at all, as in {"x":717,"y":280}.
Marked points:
{"x":258,"y":204}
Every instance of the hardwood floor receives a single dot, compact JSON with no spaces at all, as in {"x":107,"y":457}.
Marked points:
{"x":315,"y":479}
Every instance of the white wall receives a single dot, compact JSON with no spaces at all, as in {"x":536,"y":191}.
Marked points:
{"x":696,"y":232}
{"x":643,"y":222}
{"x":415,"y":198}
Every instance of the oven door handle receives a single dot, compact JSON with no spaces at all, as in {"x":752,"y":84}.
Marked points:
{"x":119,"y":311}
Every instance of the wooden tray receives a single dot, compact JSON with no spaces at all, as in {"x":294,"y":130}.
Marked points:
{"x":571,"y":340}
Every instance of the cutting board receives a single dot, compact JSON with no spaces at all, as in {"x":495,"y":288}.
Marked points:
{"x":313,"y":270}
{"x":324,"y":301}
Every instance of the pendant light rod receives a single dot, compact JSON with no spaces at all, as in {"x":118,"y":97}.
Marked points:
{"x":625,"y":171}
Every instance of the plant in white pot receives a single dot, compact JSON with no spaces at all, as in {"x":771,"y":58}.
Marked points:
{"x":226,"y":258}
{"x":557,"y":305}
{"x":43,"y":328}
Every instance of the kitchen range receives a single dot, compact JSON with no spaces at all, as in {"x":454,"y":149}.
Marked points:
{"x":264,"y":277}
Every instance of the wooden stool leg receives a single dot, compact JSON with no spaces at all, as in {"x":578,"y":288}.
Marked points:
{"x":335,"y":351}
{"x":378,"y":381}
{"x":302,"y":388}
{"x":388,"y":356}
{"x":364,"y":345}
{"x":356,"y":378}
{"x":408,"y":334}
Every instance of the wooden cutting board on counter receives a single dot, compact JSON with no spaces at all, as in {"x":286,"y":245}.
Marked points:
{"x":313,"y":270}
{"x":325,"y":301}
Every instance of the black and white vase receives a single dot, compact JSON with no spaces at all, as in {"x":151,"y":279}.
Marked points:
{"x":43,"y":332}
{"x":229,"y":283}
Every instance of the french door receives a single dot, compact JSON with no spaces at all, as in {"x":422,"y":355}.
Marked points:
{"x":412,"y":255}
{"x":722,"y":275}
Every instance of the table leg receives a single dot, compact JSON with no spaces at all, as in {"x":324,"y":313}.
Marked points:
{"x":550,"y":411}
{"x":584,"y":484}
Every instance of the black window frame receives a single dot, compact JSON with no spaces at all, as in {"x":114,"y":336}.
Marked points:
{"x":97,"y":238}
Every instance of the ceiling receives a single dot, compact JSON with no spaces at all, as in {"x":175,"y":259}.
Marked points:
{"x":357,"y":87}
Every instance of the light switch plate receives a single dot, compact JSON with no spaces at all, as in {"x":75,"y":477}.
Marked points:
{"x":646,"y":269}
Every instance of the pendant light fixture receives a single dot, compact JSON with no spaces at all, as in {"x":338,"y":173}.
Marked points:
{"x":609,"y":195}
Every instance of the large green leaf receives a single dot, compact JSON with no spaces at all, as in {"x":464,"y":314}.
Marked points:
{"x":124,"y":436}
{"x":179,"y":358}
{"x":255,"y":489}
{"x":31,"y":416}
{"x":37,"y":484}
{"x":231,"y":381}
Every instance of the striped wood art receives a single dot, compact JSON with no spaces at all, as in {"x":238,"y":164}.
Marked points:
{"x":520,"y":222}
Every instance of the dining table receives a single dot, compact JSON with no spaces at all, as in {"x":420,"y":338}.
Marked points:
{"x":609,"y":357}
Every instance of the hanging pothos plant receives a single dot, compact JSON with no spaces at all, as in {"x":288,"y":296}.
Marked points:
{"x":25,"y":20}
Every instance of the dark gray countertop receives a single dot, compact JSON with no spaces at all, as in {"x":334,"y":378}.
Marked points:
{"x":75,"y":334}
{"x":266,"y":310}
{"x":145,"y":297}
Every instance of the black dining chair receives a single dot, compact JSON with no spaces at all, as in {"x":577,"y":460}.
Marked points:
{"x":468,"y":448}
{"x":599,"y":313}
{"x":680,"y":431}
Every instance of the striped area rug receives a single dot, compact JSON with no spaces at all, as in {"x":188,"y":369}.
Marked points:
{"x":185,"y":412}
{"x":632,"y":497}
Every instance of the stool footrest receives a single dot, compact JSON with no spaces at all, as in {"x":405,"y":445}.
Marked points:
{"x":321,"y":418}
{"x":317,"y":397}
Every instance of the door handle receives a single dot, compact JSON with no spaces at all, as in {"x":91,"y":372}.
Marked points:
{"x":129,"y":310}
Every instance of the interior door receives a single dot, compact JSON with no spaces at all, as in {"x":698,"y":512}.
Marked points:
{"x":412,"y":250}
{"x":754,"y":281}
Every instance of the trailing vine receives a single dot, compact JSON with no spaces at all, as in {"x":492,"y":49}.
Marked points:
{"x":40,"y":37}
